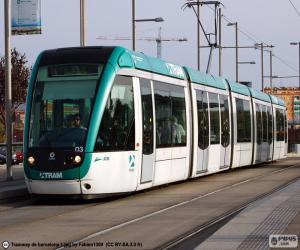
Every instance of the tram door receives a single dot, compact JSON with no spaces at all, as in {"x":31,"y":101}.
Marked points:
{"x":225,"y":132}
{"x":148,"y":131}
{"x":203,"y":131}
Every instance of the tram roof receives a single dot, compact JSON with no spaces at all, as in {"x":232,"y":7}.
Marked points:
{"x":206,"y":79}
{"x":127,"y":58}
{"x":277,"y":100}
{"x":239,"y":88}
{"x":260,"y":95}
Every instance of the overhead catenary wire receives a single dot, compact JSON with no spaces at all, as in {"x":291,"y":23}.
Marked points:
{"x":254,"y":39}
{"x":294,"y":7}
{"x":285,"y":63}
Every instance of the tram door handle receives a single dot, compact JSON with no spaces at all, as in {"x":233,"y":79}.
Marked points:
{"x":137,"y":145}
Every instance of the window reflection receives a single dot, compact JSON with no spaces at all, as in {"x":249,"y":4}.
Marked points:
{"x":117,"y":129}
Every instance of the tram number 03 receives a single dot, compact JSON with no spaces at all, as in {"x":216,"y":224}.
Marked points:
{"x":79,"y":149}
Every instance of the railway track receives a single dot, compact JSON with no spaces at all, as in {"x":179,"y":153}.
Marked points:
{"x":161,"y":218}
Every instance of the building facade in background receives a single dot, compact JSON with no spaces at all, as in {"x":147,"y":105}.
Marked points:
{"x":291,"y":96}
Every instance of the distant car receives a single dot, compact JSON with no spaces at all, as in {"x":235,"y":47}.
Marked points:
{"x":18,"y":157}
{"x":2,"y":158}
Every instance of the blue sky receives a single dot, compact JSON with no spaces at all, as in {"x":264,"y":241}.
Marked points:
{"x":273,"y":22}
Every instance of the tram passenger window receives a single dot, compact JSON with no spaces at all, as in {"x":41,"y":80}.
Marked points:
{"x":225,"y":125}
{"x":170,"y":115}
{"x":203,"y":123}
{"x":147,"y":111}
{"x":258,"y":124}
{"x":243,"y":120}
{"x":265,"y":123}
{"x":285,"y":127}
{"x":117,"y":128}
{"x":279,"y":125}
{"x":214,"y":118}
{"x":163,"y":113}
{"x":270,"y":125}
{"x":178,"y":118}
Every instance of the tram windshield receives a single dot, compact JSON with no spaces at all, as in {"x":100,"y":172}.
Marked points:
{"x":62,"y":103}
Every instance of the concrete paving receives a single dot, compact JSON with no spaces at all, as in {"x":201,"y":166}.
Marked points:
{"x":15,"y":187}
{"x":252,"y":228}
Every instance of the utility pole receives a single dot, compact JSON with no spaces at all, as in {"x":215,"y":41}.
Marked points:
{"x":133,"y":25}
{"x":158,"y":41}
{"x":271,"y":69}
{"x":297,"y":43}
{"x":220,"y":42}
{"x":8,"y":94}
{"x":82,"y":24}
{"x":262,"y":66}
{"x":198,"y":35}
{"x":236,"y":51}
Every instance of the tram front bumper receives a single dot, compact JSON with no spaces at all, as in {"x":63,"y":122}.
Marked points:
{"x":56,"y":187}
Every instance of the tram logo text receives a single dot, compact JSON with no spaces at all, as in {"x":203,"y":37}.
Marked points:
{"x":54,"y":175}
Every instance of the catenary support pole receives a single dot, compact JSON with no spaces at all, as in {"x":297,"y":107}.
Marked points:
{"x":82,"y":24}
{"x":8,"y":94}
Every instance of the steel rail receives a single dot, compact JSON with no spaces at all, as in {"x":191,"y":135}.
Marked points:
{"x":221,"y":218}
{"x":203,"y":226}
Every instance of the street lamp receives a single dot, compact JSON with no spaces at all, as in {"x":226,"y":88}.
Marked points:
{"x":157,"y":19}
{"x":251,"y":62}
{"x":236,"y":50}
{"x":298,"y":43}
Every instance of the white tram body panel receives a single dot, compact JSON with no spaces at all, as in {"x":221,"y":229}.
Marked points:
{"x":243,"y":144}
{"x":280,"y":138}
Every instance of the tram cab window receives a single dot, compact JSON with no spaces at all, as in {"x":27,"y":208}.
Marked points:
{"x":61,"y":94}
{"x":117,"y":128}
{"x":170,"y":115}
{"x":243,"y":120}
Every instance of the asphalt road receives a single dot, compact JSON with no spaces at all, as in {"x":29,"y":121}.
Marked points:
{"x":145,"y":220}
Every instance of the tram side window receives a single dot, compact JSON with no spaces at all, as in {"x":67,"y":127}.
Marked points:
{"x":178,"y":118}
{"x":214,"y":118}
{"x":270,"y":125}
{"x":243,"y":120}
{"x":203,"y":123}
{"x":285,"y":126}
{"x":259,"y":128}
{"x":170,"y":115}
{"x":264,"y":123}
{"x":163,"y":113}
{"x":279,"y":125}
{"x":147,"y":111}
{"x":117,"y":128}
{"x":225,"y":126}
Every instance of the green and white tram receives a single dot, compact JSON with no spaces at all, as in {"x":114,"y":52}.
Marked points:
{"x":105,"y":120}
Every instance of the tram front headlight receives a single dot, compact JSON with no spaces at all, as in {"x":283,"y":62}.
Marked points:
{"x":77,"y":159}
{"x":31,"y":160}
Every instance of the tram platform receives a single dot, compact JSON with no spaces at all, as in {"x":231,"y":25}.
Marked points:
{"x":260,"y":225}
{"x":15,"y":187}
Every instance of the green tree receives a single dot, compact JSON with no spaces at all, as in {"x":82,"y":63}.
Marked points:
{"x":19,"y":76}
